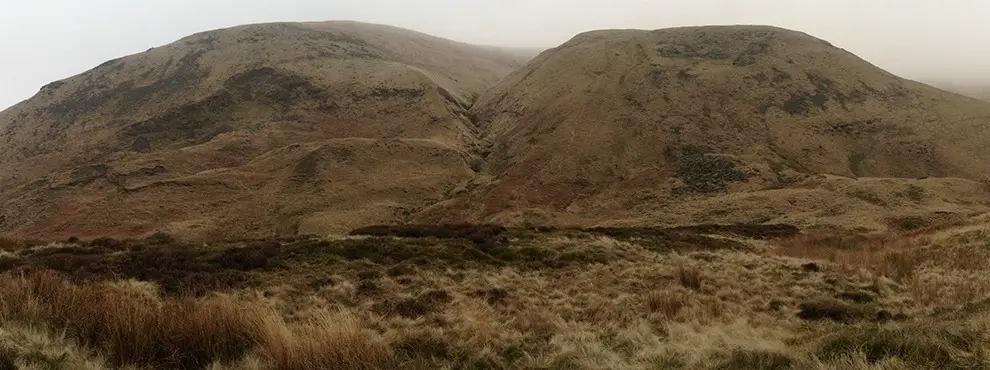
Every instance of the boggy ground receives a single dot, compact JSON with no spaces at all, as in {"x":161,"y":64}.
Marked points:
{"x":488,"y":297}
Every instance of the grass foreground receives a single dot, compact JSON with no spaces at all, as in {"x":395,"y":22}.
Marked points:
{"x":487,"y":297}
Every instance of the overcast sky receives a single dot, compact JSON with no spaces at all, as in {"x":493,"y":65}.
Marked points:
{"x":46,"y":40}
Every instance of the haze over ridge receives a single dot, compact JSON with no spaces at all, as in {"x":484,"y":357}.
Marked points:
{"x":50,"y":40}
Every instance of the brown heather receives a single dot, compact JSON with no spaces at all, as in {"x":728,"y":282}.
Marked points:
{"x":535,"y":300}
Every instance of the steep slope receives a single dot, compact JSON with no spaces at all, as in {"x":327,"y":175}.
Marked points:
{"x":628,"y":124}
{"x":252,"y":130}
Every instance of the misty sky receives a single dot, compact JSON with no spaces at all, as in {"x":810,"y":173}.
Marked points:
{"x":46,"y":40}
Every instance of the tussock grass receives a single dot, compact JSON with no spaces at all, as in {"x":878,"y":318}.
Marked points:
{"x":25,"y":347}
{"x":933,"y":345}
{"x":891,"y":256}
{"x":757,"y":359}
{"x":667,"y":303}
{"x":689,"y":276}
{"x":129,"y":324}
{"x":133,"y":329}
{"x":331,"y":340}
{"x":553,"y":300}
{"x":939,"y":266}
{"x":12,"y":244}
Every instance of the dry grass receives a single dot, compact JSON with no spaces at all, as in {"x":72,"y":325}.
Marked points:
{"x":133,"y":328}
{"x":7,"y":243}
{"x":23,"y":347}
{"x":129,"y":324}
{"x":935,"y":267}
{"x":643,"y":307}
{"x":895,"y":257}
{"x":689,"y":276}
{"x":667,"y":303}
{"x":329,"y":341}
{"x":12,"y":244}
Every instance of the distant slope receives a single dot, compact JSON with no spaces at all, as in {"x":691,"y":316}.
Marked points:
{"x":625,"y":123}
{"x":303,"y":128}
{"x":258,"y":129}
{"x":976,"y":90}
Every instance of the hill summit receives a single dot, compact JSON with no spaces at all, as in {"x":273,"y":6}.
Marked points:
{"x":253,"y":130}
{"x":623,"y":124}
{"x":295,"y":128}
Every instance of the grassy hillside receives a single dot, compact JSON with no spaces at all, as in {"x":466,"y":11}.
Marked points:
{"x":657,"y":126}
{"x":282,"y":129}
{"x":256,"y":130}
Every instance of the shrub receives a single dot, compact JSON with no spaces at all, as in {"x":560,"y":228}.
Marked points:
{"x":252,"y":257}
{"x":178,"y":269}
{"x":755,"y":231}
{"x":159,"y":238}
{"x":12,"y":244}
{"x":915,"y":193}
{"x":109,"y":243}
{"x":908,"y":223}
{"x":705,"y":173}
{"x":9,"y":262}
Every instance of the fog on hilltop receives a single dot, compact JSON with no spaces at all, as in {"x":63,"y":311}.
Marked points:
{"x":50,"y":40}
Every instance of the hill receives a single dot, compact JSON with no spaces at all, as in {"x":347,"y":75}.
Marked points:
{"x":262,"y":133}
{"x":252,"y":130}
{"x":719,"y":124}
{"x":976,"y":91}
{"x":311,"y":128}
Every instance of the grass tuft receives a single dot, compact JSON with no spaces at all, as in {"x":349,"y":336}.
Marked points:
{"x":689,"y":276}
{"x":941,"y":346}
{"x":133,"y":329}
{"x":667,"y":303}
{"x":743,"y":359}
{"x":332,"y":340}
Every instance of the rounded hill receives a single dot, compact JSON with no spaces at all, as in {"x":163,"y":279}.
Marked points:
{"x":226,"y":130}
{"x":618,"y":123}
